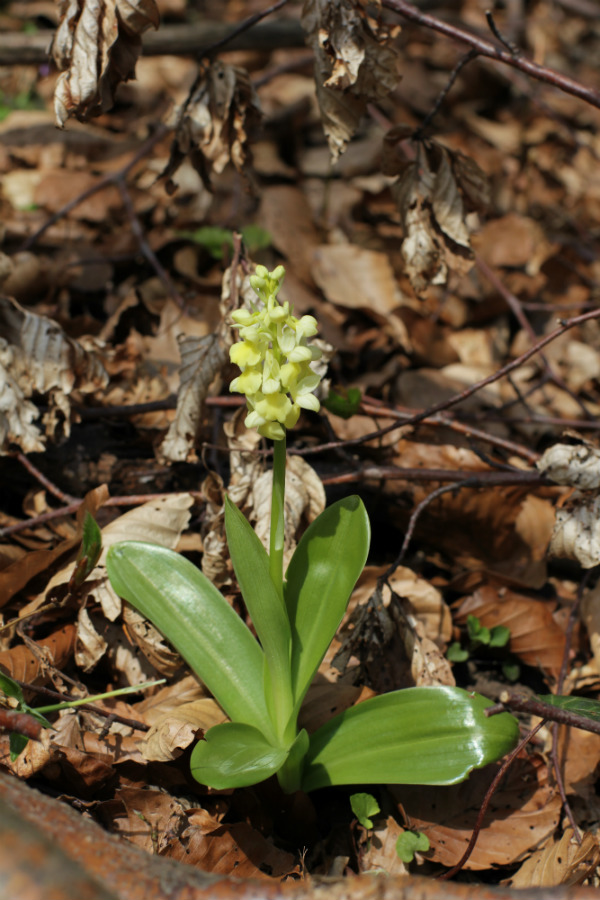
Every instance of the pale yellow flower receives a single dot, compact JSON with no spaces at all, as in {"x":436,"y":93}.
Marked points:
{"x":274,"y":355}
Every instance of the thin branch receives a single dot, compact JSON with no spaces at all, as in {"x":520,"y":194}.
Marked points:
{"x":45,"y":482}
{"x":486,"y":802}
{"x":510,"y":700}
{"x":491,"y":51}
{"x":89,"y":707}
{"x":71,"y":508}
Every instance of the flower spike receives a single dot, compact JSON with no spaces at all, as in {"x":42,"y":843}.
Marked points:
{"x":274,"y":356}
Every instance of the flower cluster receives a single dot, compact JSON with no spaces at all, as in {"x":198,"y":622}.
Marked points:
{"x":274,"y":356}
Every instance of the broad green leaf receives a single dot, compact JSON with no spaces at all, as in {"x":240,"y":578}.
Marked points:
{"x":320,"y":577}
{"x":580,"y":706}
{"x":364,"y":806}
{"x":16,"y":744}
{"x":256,"y":238}
{"x":189,"y":610}
{"x":290,"y":773}
{"x":11,"y":688}
{"x":409,"y":843}
{"x":234,"y":755}
{"x":428,"y":735}
{"x":269,"y":617}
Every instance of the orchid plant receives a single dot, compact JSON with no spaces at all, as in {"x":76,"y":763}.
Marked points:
{"x":420,"y":735}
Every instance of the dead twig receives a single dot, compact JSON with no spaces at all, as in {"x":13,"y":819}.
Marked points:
{"x":491,"y":51}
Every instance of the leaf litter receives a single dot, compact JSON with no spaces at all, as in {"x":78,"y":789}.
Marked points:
{"x":114,"y":376}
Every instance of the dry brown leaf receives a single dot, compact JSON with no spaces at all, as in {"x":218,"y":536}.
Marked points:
{"x":90,"y":646}
{"x":380,"y":853}
{"x":35,"y":756}
{"x":96,"y":46}
{"x":514,"y":240}
{"x":55,"y":650}
{"x":354,"y":65}
{"x":15,"y":576}
{"x":326,"y":699}
{"x":223,"y":849}
{"x":576,"y":465}
{"x":37,"y":358}
{"x":560,"y":862}
{"x":590,"y":617}
{"x":522,"y":814}
{"x":361,"y":279}
{"x":576,"y":532}
{"x":535,"y":637}
{"x":201,"y":361}
{"x":212,"y":125}
{"x":150,"y":641}
{"x":433,"y":216}
{"x":176,"y":730}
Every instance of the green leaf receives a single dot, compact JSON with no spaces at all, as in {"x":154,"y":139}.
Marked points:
{"x":499,"y":636}
{"x":343,"y":405}
{"x":511,"y":670}
{"x":16,"y":744}
{"x":89,"y":553}
{"x":290,"y":773}
{"x":580,"y":706}
{"x":428,"y":735}
{"x":213,"y":239}
{"x":269,"y":617}
{"x":455,"y":653}
{"x":256,"y":238}
{"x":189,"y":610}
{"x":364,"y":806}
{"x":477,"y":631}
{"x":11,"y":689}
{"x":235,"y":755}
{"x":409,"y":843}
{"x":320,"y":578}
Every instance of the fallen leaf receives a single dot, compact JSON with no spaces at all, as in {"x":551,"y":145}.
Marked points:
{"x":560,"y":862}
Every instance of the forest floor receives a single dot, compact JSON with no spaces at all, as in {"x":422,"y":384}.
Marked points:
{"x":455,"y":275}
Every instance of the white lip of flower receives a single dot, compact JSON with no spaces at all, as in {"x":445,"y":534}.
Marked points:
{"x":274,"y":357}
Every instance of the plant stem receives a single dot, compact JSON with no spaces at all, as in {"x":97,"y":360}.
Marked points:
{"x":278,"y":515}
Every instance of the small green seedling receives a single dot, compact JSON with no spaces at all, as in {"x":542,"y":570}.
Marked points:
{"x":422,"y":735}
{"x":364,"y":806}
{"x":480,"y":637}
{"x":217,"y":241}
{"x":409,"y":843}
{"x":18,"y":742}
{"x":345,"y":405}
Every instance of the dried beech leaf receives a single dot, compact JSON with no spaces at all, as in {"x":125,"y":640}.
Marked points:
{"x":535,"y":637}
{"x":96,"y":46}
{"x":576,"y":532}
{"x":353,"y":65}
{"x":576,"y":465}
{"x":23,"y":664}
{"x":213,"y":124}
{"x":151,"y":642}
{"x":176,"y":730}
{"x":37,"y":358}
{"x":90,"y":646}
{"x":202,"y":358}
{"x":561,"y":862}
{"x":432,"y":212}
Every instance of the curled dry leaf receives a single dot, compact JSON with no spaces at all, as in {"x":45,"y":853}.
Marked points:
{"x":176,"y":729}
{"x":90,"y":646}
{"x":25,"y":664}
{"x":96,"y":46}
{"x":576,"y":465}
{"x":576,"y":532}
{"x":37,"y":358}
{"x":202,"y":359}
{"x":559,"y":862}
{"x":433,"y":217}
{"x":354,"y":65}
{"x":150,"y":641}
{"x":213,"y":123}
